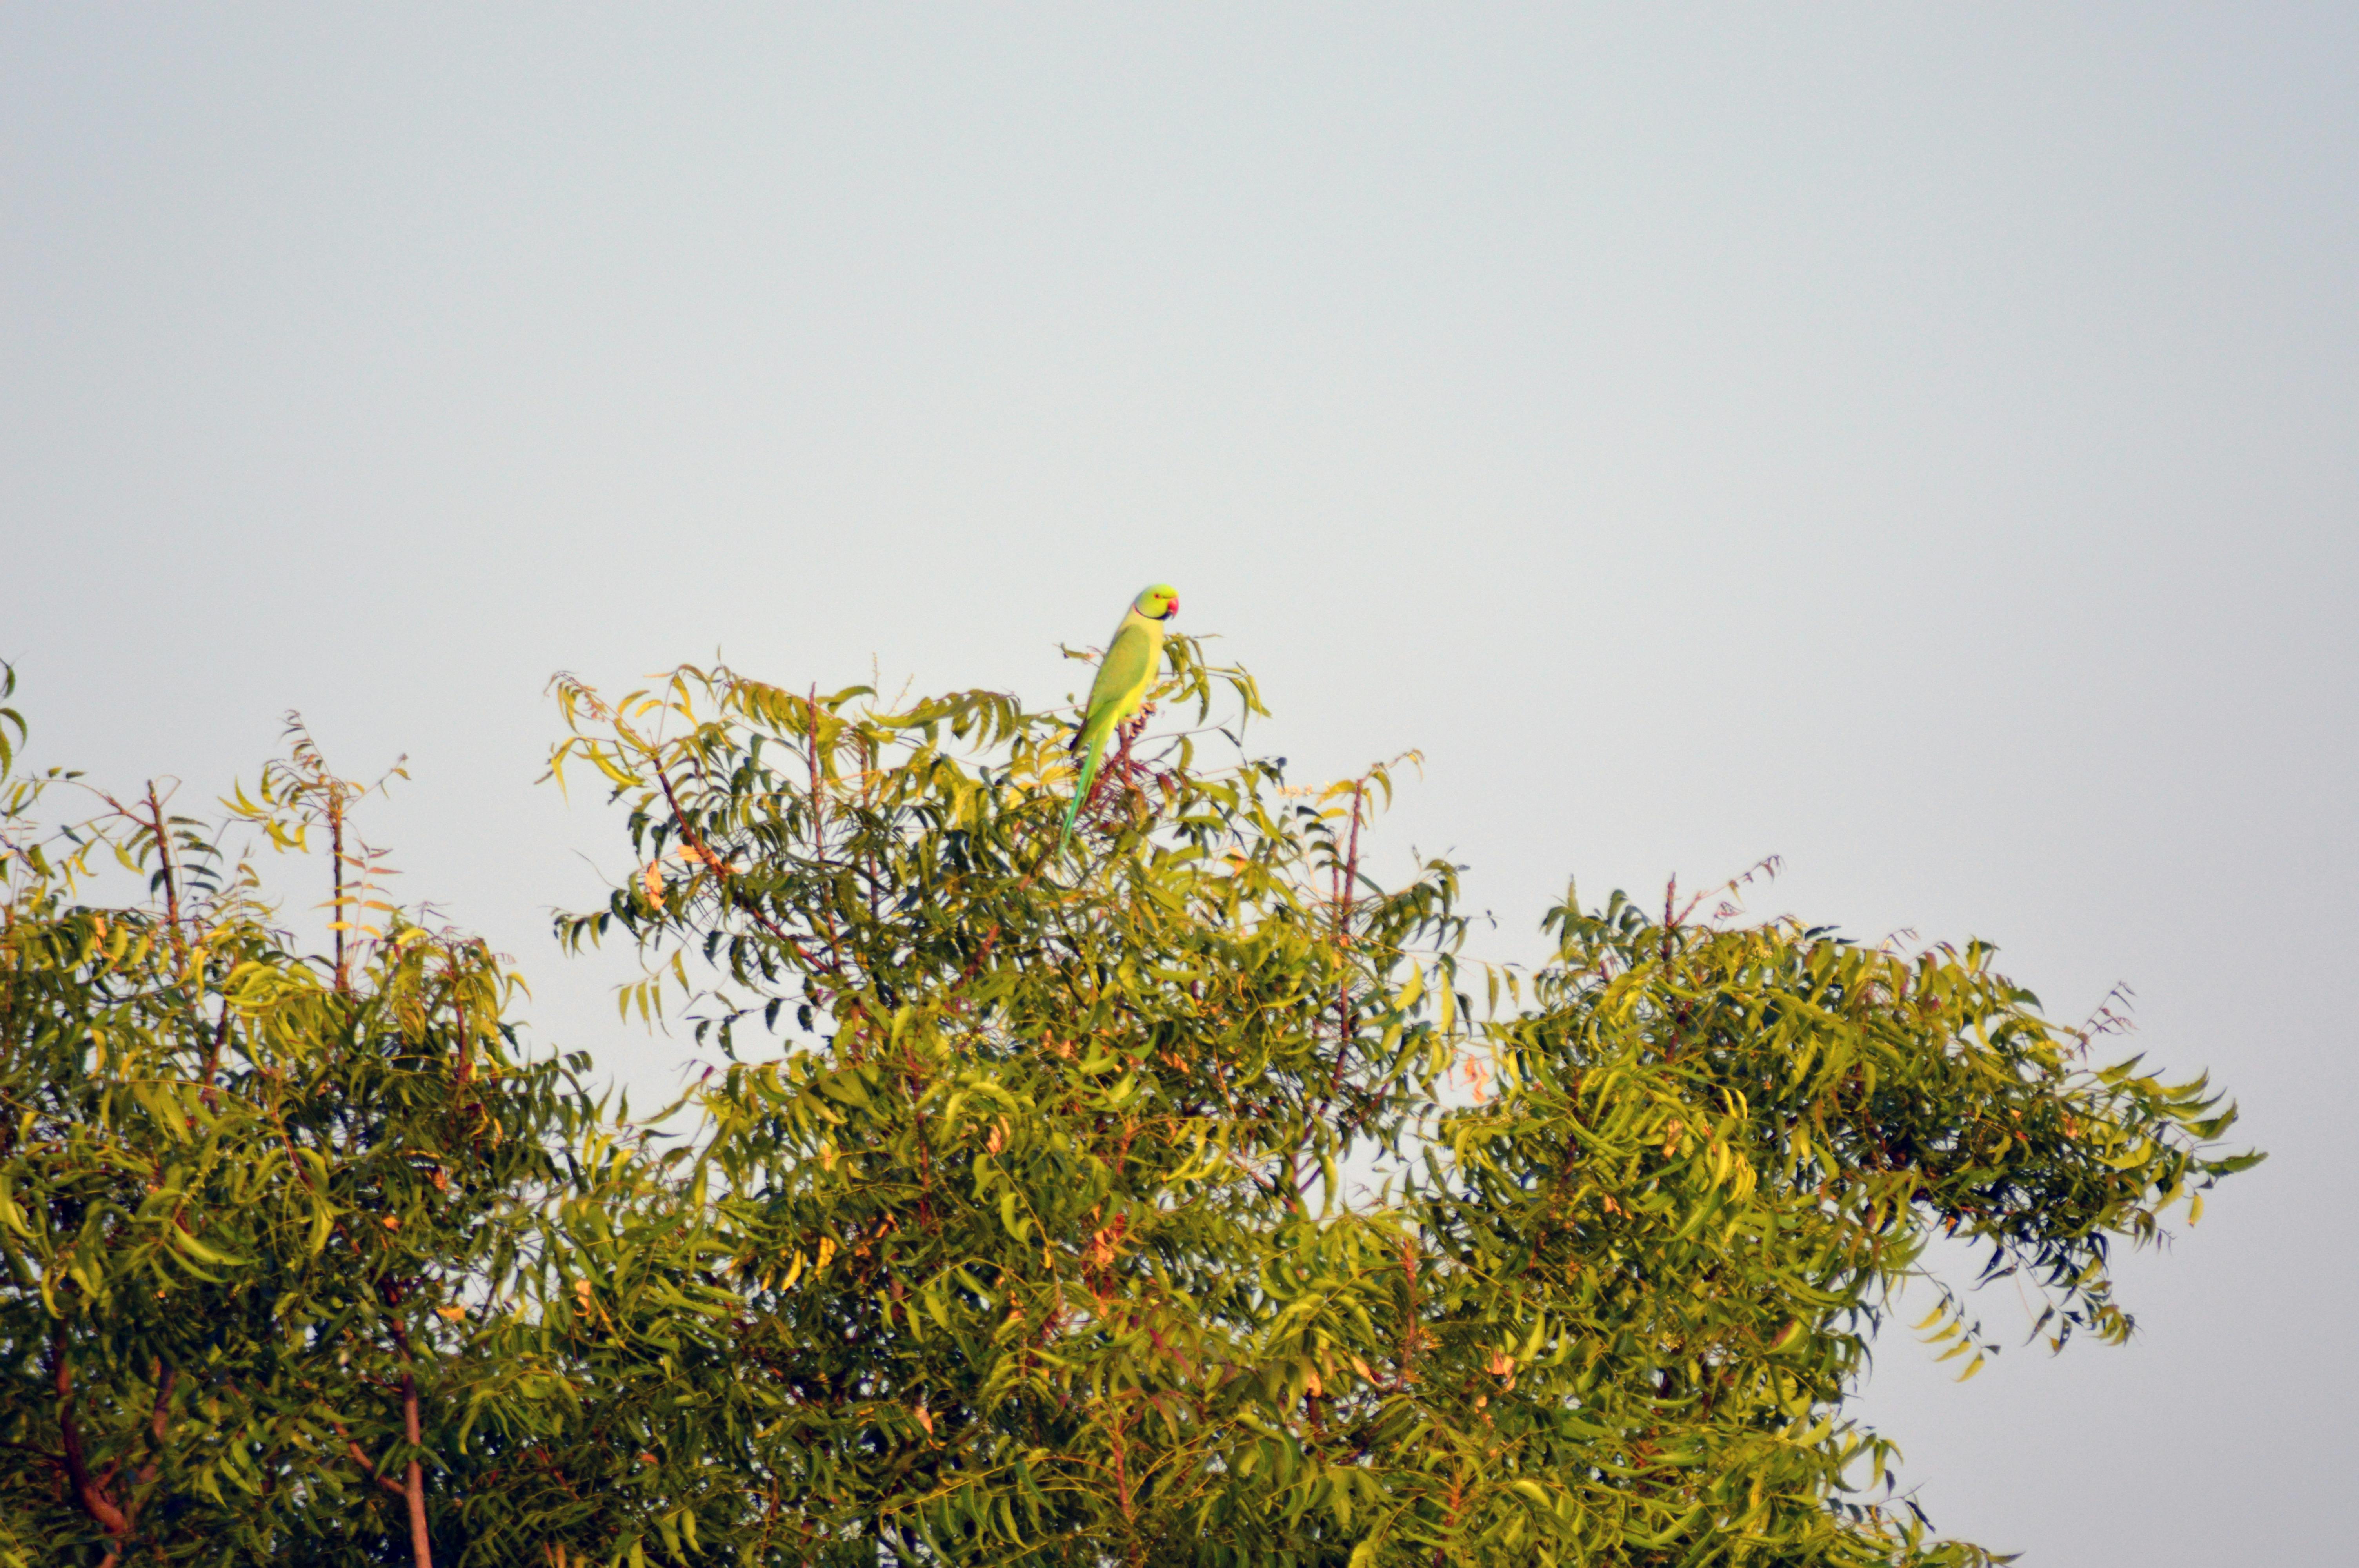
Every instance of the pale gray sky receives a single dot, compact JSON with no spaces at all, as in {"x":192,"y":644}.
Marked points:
{"x":1916,"y":441}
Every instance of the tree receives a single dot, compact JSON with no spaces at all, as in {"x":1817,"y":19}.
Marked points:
{"x":252,"y":1205}
{"x":1122,"y":1204}
{"x":1044,"y":1223}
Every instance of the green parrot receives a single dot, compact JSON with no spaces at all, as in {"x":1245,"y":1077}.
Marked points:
{"x":1127,"y":670}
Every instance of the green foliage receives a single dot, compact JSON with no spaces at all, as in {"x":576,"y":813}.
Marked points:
{"x":1714,"y":1154}
{"x":1123,"y":1202}
{"x":252,"y":1217}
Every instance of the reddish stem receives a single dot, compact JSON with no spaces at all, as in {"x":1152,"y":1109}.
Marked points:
{"x":420,"y":1545}
{"x":89,"y":1491}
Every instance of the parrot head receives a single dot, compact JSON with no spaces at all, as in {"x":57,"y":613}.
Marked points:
{"x":1160,"y":602}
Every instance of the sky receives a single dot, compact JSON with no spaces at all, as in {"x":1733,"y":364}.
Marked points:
{"x":1920,"y":443}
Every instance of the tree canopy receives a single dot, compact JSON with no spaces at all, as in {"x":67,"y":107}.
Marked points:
{"x":1185,"y":1196}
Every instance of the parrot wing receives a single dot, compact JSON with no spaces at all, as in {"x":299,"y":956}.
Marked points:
{"x":1123,"y":679}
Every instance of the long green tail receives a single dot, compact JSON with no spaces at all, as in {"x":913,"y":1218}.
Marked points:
{"x":1082,"y":791}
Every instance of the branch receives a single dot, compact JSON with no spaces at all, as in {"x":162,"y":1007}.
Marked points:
{"x":420,"y":1542}
{"x":157,"y":1424}
{"x":87,"y":1490}
{"x":723,"y":872}
{"x":368,"y":1464}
